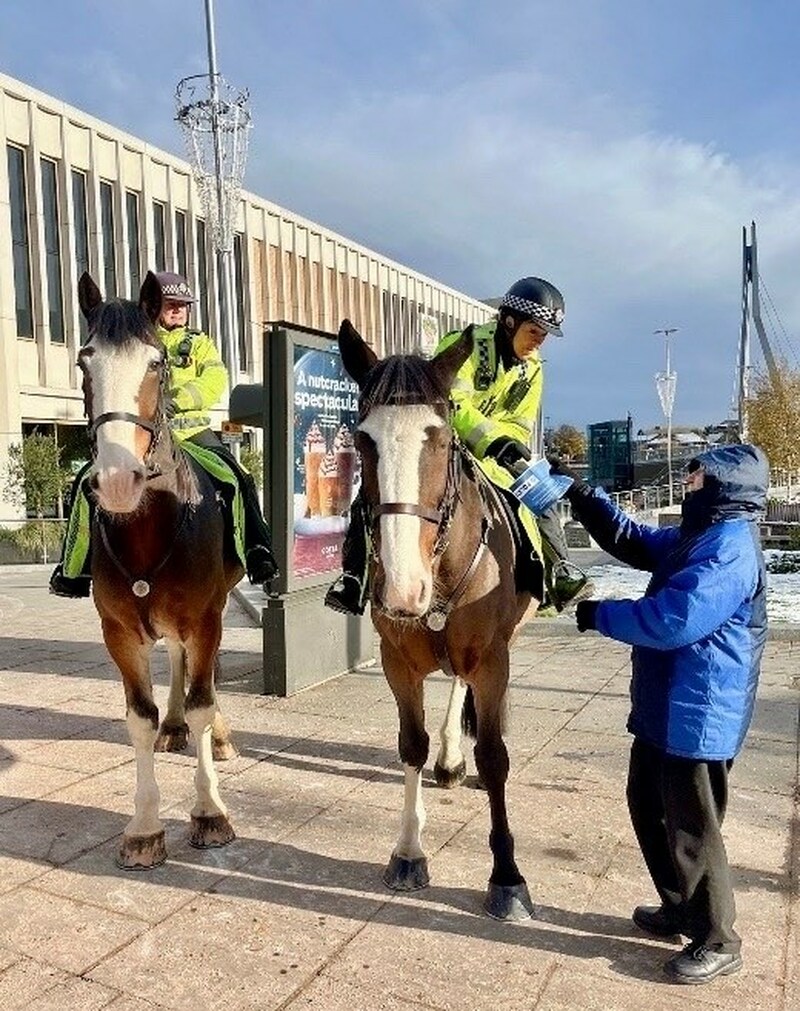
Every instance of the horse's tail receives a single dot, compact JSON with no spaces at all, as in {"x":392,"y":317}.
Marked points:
{"x":469,"y":715}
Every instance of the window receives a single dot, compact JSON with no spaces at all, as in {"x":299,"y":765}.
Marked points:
{"x":202,"y":274}
{"x":160,"y":235}
{"x":52,"y":250}
{"x":20,"y":245}
{"x":180,"y":242}
{"x":81,"y":226}
{"x":238,"y":283}
{"x":107,"y":229}
{"x":134,"y":239}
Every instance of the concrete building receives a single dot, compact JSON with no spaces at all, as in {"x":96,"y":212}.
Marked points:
{"x":77,"y":194}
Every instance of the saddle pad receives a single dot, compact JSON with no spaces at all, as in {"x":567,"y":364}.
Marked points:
{"x":224,"y":478}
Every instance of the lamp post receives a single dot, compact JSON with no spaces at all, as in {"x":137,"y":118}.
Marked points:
{"x":666,"y":382}
{"x":215,"y":119}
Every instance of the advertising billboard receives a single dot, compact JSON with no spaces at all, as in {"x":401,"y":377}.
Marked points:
{"x":311,"y":471}
{"x":325,"y":464}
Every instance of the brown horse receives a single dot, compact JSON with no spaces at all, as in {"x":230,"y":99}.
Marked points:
{"x":159,"y":567}
{"x":443,"y":594}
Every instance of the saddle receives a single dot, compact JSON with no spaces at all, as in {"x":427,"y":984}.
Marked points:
{"x":528,"y":568}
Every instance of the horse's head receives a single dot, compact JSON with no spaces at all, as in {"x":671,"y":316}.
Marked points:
{"x":408,"y":463}
{"x":124,"y":376}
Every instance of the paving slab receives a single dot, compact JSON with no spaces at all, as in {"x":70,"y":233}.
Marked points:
{"x":293,"y":914}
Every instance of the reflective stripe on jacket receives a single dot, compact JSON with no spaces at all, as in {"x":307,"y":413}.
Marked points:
{"x":198,"y":379}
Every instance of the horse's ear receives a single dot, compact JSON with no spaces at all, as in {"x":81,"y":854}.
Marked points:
{"x":447,"y":363}
{"x":358,"y":357}
{"x":151,"y":297}
{"x":89,"y":296}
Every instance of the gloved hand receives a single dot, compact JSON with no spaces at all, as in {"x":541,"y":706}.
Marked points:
{"x":170,"y":409}
{"x":579,"y":485}
{"x":558,"y":466}
{"x":585,"y":613}
{"x":511,"y":454}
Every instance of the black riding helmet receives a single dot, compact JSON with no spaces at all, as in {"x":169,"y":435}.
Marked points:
{"x":175,"y":288}
{"x":536,"y":300}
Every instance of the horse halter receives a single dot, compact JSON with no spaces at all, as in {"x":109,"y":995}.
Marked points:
{"x":443,"y":515}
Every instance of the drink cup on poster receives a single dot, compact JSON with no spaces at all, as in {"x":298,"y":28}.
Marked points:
{"x":345,"y":452}
{"x":314,"y":452}
{"x":328,"y":481}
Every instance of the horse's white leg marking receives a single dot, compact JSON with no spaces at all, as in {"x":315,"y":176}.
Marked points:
{"x":176,"y":715}
{"x":450,"y":754}
{"x":399,"y":434}
{"x":208,"y":803}
{"x":146,"y":802}
{"x":409,"y":842}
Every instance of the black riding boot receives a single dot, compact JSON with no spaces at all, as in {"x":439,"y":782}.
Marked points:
{"x":260,"y":562}
{"x":349,"y":593}
{"x":566,"y":582}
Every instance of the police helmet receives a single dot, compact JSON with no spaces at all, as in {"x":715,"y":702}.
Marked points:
{"x":175,"y":288}
{"x":536,"y":300}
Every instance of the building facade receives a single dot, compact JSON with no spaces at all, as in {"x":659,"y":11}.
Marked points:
{"x":76,"y":194}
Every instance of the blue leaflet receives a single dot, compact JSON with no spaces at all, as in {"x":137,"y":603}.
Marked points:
{"x":538,"y":489}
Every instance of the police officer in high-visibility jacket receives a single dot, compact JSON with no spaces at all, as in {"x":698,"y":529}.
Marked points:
{"x":198,"y":379}
{"x":496,"y":397}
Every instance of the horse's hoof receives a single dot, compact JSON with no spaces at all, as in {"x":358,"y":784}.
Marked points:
{"x":223,"y":751}
{"x":208,"y":832}
{"x":403,"y":875}
{"x":142,"y":852}
{"x":449,"y":778}
{"x":508,"y":902}
{"x":173,"y":737}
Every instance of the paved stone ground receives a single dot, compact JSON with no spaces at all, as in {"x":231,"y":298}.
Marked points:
{"x":293,"y":914}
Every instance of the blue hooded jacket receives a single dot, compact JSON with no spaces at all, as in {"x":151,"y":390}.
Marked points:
{"x":699,"y":631}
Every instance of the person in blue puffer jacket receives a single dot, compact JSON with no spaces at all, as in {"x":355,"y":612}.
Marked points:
{"x":697,"y":635}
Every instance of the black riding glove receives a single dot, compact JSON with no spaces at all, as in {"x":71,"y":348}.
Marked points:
{"x":585,"y":615}
{"x":170,"y":409}
{"x":511,"y":454}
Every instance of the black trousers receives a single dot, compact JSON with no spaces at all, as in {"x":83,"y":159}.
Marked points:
{"x":677,"y":806}
{"x":256,"y":530}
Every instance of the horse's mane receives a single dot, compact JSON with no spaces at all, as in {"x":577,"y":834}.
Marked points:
{"x":119,"y":322}
{"x":402,"y":379}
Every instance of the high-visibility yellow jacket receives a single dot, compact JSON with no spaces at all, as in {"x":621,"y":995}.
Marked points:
{"x":198,"y":379}
{"x":491,"y":402}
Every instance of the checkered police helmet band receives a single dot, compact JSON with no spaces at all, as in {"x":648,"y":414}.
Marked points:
{"x":179,"y":291}
{"x":551,"y":318}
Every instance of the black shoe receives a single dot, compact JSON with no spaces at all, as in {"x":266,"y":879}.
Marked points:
{"x":570,"y":585}
{"x":261,"y":564}
{"x":345,"y":596}
{"x":657,"y":920}
{"x":64,"y":586}
{"x":698,"y":964}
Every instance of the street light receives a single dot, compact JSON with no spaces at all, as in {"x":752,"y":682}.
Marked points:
{"x":215,"y":120}
{"x":666,"y":382}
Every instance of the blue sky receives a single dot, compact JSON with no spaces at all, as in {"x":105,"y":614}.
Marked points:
{"x":615,"y":147}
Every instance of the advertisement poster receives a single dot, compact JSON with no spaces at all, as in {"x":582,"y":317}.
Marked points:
{"x":326,"y":467}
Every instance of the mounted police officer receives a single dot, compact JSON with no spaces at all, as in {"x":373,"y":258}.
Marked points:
{"x":496,"y":398}
{"x":198,"y":379}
